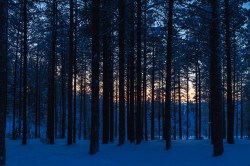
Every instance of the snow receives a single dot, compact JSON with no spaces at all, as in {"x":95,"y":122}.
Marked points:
{"x":151,"y":153}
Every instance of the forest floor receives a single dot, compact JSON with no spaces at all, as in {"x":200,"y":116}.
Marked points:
{"x":151,"y":153}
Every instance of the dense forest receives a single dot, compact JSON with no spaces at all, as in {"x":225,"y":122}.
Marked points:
{"x":130,"y":70}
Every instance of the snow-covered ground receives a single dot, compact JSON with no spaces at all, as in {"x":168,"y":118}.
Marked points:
{"x":152,"y":153}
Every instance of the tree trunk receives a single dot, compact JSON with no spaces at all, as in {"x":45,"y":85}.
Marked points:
{"x":121,"y":72}
{"x":106,"y":102}
{"x":94,"y":136}
{"x":63,"y":96}
{"x":153,"y":95}
{"x":3,"y":76}
{"x":187,"y":113}
{"x":230,"y":105}
{"x":199,"y":86}
{"x":237,"y":107}
{"x":196,"y":102}
{"x":145,"y":72}
{"x":131,"y":68}
{"x":180,"y":113}
{"x":241,"y":108}
{"x":14,"y":134}
{"x":84,"y":101}
{"x":52,"y":72}
{"x":25,"y":53}
{"x":138,"y":71}
{"x":215,"y":83}
{"x":116,"y":107}
{"x":81,"y":99}
{"x":168,"y":77}
{"x":75,"y":70}
{"x":174,"y":106}
{"x":37,"y":97}
{"x":70,"y":72}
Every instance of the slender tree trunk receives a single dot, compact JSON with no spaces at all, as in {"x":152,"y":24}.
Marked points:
{"x":230,"y":105}
{"x":25,"y":53}
{"x":3,"y":76}
{"x":237,"y":108}
{"x":241,"y":108}
{"x":94,"y":137}
{"x":153,"y":95}
{"x":199,"y":86}
{"x":20,"y":95}
{"x":106,"y":102}
{"x":174,"y":107}
{"x":63,"y":96}
{"x":111,"y":93}
{"x":75,"y":69}
{"x":163,"y":104}
{"x":84,"y":101}
{"x":81,"y":99}
{"x":14,"y":134}
{"x":51,"y":91}
{"x":70,"y":73}
{"x":215,"y":83}
{"x":131,"y":68}
{"x":128,"y":89}
{"x":37,"y":97}
{"x":121,"y":72}
{"x":159,"y":105}
{"x":145,"y":72}
{"x":223,"y":102}
{"x":180,"y":113}
{"x":187,"y":113}
{"x":116,"y":108}
{"x":138,"y":71}
{"x":168,"y":77}
{"x":196,"y":102}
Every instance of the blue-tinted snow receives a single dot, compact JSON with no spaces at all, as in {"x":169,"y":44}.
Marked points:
{"x":152,"y":153}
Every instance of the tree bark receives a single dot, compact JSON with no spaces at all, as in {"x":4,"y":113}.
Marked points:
{"x":168,"y":77}
{"x":131,"y":68}
{"x":106,"y":102}
{"x":25,"y":52}
{"x":52,"y":72}
{"x":94,"y":135}
{"x":215,"y":83}
{"x":230,"y":105}
{"x":75,"y":69}
{"x":63,"y":88}
{"x":187,"y":113}
{"x":139,"y":75}
{"x":145,"y":72}
{"x":3,"y":76}
{"x":121,"y":72}
{"x":241,"y":108}
{"x":180,"y":113}
{"x":153,"y":95}
{"x":14,"y":134}
{"x":70,"y":73}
